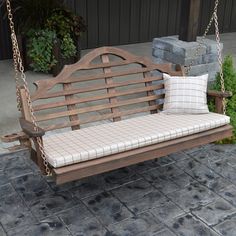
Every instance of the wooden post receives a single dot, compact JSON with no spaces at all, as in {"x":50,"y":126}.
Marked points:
{"x":189,"y":22}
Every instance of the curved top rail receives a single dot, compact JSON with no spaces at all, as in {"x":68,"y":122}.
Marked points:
{"x":86,"y":63}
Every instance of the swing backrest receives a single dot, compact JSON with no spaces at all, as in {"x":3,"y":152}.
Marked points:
{"x":106,"y":84}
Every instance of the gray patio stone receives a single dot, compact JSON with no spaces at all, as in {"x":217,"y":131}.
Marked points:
{"x":88,"y":187}
{"x":51,"y":204}
{"x":145,"y":166}
{"x":179,"y":156}
{"x":3,"y":178}
{"x":215,"y":212}
{"x":144,"y":224}
{"x":165,"y":232}
{"x":226,"y":148}
{"x":193,"y":196}
{"x":168,"y":171}
{"x":229,"y":193}
{"x":167,"y":211}
{"x":14,"y":159}
{"x":139,"y":196}
{"x":47,"y":227}
{"x":107,"y":208}
{"x":164,"y":161}
{"x":2,"y":232}
{"x":224,"y":169}
{"x":227,"y":228}
{"x":161,"y":182}
{"x":196,"y":149}
{"x":84,"y":210}
{"x":6,"y":190}
{"x":188,"y":225}
{"x":15,"y":165}
{"x":183,"y":180}
{"x":18,"y":171}
{"x":13,"y":211}
{"x":209,"y":155}
{"x":80,"y":221}
{"x":204,"y":175}
{"x":116,"y":178}
{"x":31,"y":186}
{"x":231,"y":160}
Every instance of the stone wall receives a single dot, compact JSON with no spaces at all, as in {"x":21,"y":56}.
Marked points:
{"x":171,"y":49}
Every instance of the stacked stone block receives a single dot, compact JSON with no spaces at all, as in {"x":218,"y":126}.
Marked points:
{"x":171,"y":49}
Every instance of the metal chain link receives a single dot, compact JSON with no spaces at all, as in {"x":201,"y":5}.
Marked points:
{"x":19,"y":69}
{"x":214,"y":18}
{"x":222,"y":83}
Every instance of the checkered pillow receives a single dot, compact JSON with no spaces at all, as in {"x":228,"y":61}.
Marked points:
{"x":185,"y":94}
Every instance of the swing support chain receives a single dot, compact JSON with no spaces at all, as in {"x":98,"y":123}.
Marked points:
{"x":20,"y":79}
{"x":214,"y":17}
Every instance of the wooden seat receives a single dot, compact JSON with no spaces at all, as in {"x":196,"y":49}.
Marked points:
{"x":108,"y":84}
{"x":72,"y":147}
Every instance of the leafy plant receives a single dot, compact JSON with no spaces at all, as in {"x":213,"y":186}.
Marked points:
{"x":40,"y":50}
{"x":65,"y":22}
{"x":230,"y":85}
{"x":68,"y":49}
{"x":30,"y":14}
{"x":44,"y":21}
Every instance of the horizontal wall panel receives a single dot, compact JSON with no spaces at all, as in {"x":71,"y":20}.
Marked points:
{"x":115,"y":22}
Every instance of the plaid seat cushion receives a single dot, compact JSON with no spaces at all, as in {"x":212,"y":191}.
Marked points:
{"x":106,"y":139}
{"x":185,"y":94}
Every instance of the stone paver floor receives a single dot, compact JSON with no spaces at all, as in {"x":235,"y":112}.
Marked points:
{"x":190,"y":193}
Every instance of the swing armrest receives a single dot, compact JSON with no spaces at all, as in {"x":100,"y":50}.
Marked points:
{"x":219,"y":94}
{"x":28,"y":128}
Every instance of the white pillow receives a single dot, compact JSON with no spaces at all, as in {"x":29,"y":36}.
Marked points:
{"x":185,"y":94}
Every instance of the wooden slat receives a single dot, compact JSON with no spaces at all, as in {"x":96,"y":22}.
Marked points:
{"x":132,"y":71}
{"x":98,"y":108}
{"x":101,"y":165}
{"x":150,"y":92}
{"x":70,"y":107}
{"x":97,"y":87}
{"x":137,"y":60}
{"x":95,"y":98}
{"x":100,"y":117}
{"x":111,"y":90}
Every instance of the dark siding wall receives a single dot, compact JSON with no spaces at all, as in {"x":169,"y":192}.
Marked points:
{"x":114,"y":22}
{"x":5,"y":44}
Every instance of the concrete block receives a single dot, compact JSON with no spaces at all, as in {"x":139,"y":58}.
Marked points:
{"x":212,"y":76}
{"x":204,"y":68}
{"x":209,"y":58}
{"x":178,"y":47}
{"x":176,"y":58}
{"x":211,"y":45}
{"x":159,"y":60}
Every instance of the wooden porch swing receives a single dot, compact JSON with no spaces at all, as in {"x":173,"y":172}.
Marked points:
{"x":79,"y":153}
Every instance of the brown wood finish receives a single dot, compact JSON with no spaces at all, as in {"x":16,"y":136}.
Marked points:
{"x":189,"y":20}
{"x":112,"y":96}
{"x":71,"y":106}
{"x":84,"y":169}
{"x":111,"y":90}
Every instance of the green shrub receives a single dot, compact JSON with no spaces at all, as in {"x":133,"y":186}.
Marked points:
{"x":230,"y":85}
{"x":40,"y":50}
{"x":68,"y":48}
